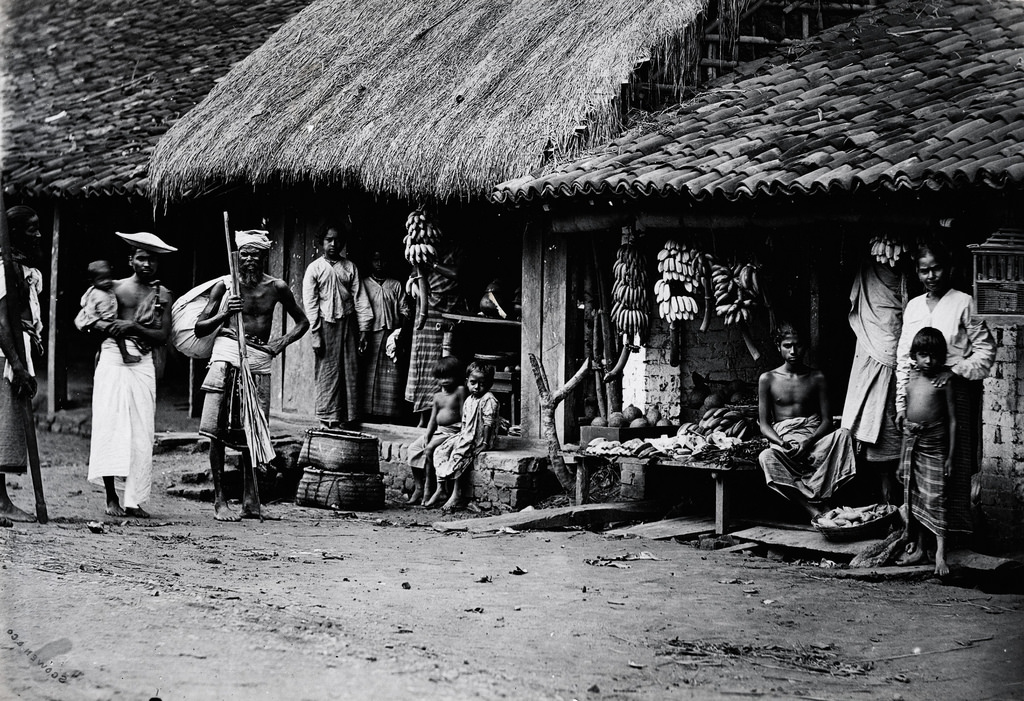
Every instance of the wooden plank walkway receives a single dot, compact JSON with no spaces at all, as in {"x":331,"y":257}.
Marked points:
{"x":540,"y":519}
{"x":683,"y":527}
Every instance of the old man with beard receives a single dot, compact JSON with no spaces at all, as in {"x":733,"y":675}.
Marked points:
{"x":259,"y":294}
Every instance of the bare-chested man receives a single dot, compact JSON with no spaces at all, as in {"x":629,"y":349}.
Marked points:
{"x":259,"y":295}
{"x":808,"y":461}
{"x":124,"y":394}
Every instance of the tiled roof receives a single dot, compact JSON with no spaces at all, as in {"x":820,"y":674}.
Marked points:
{"x":90,"y":85}
{"x":924,"y":95}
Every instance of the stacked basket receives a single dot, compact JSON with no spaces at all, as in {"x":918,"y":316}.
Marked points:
{"x":341,"y":470}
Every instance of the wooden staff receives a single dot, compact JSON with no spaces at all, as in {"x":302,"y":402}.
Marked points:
{"x":15,"y":304}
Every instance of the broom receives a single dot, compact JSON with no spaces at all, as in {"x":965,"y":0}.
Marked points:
{"x":254,"y":422}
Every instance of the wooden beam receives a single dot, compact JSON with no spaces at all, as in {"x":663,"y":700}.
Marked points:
{"x":53,"y":384}
{"x":558,"y":324}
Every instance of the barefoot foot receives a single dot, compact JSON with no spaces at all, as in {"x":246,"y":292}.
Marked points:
{"x":114,"y":509}
{"x":221,"y":512}
{"x":913,"y":555}
{"x":136,"y":512}
{"x":434,"y":499}
{"x":416,"y":498}
{"x":13,"y":513}
{"x":255,"y":512}
{"x":451,"y":505}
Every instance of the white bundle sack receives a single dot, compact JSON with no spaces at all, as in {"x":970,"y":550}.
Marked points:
{"x":184,"y":314}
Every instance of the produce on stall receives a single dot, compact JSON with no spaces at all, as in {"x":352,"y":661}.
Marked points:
{"x":629,"y":302}
{"x":887,"y":250}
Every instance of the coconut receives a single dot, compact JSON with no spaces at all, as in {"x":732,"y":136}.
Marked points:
{"x":653,"y":416}
{"x":599,"y":421}
{"x":639,"y":423}
{"x":631,"y":413}
{"x":662,"y":422}
{"x":616,"y":419}
{"x":715,"y":400}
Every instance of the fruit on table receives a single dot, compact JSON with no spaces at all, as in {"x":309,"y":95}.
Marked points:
{"x":599,"y":421}
{"x":847,"y":516}
{"x":616,"y":419}
{"x":639,"y":423}
{"x":653,"y":416}
{"x":631,"y":413}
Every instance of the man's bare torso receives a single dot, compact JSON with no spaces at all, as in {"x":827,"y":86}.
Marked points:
{"x":258,"y":302}
{"x":794,"y":394}
{"x":130,"y":293}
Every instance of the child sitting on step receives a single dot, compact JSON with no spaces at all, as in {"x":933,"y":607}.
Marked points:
{"x":454,"y":458}
{"x":445,"y":422}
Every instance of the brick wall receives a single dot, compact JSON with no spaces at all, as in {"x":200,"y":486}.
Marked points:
{"x":999,"y":485}
{"x":718,"y":353}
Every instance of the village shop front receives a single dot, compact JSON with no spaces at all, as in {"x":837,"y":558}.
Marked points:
{"x":795,"y":168}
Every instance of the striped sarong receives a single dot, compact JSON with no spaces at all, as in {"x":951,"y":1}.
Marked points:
{"x":829,"y":466}
{"x":380,"y":380}
{"x":426,"y":351}
{"x":922,"y":464}
{"x":13,"y":453}
{"x":336,"y":371}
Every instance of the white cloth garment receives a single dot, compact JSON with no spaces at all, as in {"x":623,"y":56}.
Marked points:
{"x":226,"y":350}
{"x":34,"y":279}
{"x":970,"y":348}
{"x":123,"y":421}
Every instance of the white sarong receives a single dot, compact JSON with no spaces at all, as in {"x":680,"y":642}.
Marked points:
{"x":123,"y":421}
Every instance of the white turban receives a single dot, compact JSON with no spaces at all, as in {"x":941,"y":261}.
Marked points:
{"x":257,"y":238}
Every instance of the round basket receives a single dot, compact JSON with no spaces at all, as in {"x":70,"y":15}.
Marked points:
{"x":325,"y":489}
{"x":877,"y":528}
{"x":340,"y":451}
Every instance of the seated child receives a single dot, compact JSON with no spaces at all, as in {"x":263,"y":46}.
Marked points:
{"x":100,"y":305}
{"x":445,"y":422}
{"x":929,"y":431}
{"x":808,"y":461}
{"x":454,"y":458}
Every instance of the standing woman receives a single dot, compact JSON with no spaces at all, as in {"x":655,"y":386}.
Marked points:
{"x":340,"y":317}
{"x":380,"y":378}
{"x":444,"y":296}
{"x":971,"y":353}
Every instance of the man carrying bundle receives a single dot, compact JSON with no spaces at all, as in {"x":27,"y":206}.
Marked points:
{"x":258,"y":296}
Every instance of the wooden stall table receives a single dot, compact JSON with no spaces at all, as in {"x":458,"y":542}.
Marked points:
{"x":723,"y":474}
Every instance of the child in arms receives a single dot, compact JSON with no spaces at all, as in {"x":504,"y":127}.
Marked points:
{"x":454,"y":458}
{"x":99,"y":305}
{"x":929,"y":430}
{"x":445,"y":422}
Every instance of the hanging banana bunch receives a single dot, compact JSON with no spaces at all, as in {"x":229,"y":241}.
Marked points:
{"x":421,"y":239}
{"x":737,"y":290}
{"x":680,"y":268}
{"x":887,"y":250}
{"x":629,"y":294}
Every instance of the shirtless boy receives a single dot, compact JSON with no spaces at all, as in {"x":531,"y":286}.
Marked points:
{"x":808,"y":461}
{"x":445,"y":421}
{"x":259,"y":294}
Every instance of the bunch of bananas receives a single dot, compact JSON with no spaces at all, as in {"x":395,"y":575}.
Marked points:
{"x":629,"y":292}
{"x":737,"y":290}
{"x":421,"y":238}
{"x":731,"y":422}
{"x":680,"y":268}
{"x":886,"y":249}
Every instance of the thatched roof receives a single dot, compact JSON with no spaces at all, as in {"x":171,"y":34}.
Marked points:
{"x":89,"y":86}
{"x":439,"y":98}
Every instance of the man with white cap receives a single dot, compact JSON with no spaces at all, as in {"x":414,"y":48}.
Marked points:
{"x":259,"y":294}
{"x":124,"y":394}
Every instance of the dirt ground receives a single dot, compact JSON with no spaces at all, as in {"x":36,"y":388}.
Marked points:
{"x":322,"y":605}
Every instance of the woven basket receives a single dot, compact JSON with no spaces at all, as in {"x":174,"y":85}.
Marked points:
{"x":340,"y":451}
{"x":340,"y":490}
{"x":862,"y":531}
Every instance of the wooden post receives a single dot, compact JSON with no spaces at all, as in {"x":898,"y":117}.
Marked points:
{"x":53,"y":385}
{"x":814,"y":304}
{"x":530,"y":330}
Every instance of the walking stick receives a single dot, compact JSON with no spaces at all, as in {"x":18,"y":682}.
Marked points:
{"x":14,"y":303}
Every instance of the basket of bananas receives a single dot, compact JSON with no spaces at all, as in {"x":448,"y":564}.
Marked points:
{"x":845,"y":523}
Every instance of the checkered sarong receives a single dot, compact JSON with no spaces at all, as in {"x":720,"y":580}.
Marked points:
{"x":380,"y":381}
{"x":922,"y":464}
{"x":426,"y":351}
{"x":336,"y":371}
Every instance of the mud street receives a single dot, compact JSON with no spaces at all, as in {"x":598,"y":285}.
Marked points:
{"x":379,"y":605}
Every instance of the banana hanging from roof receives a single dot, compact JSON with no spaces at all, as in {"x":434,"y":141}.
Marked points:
{"x":675,"y":292}
{"x":887,"y":249}
{"x":629,"y":293}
